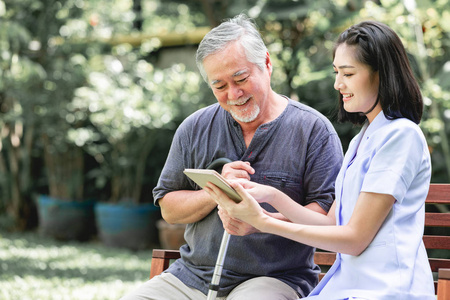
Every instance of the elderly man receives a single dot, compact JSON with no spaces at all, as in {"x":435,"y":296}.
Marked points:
{"x":270,"y":139}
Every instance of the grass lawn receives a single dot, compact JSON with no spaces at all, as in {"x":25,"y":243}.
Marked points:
{"x":35,"y":267}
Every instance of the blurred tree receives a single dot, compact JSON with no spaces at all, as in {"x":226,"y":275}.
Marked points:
{"x":81,"y":93}
{"x":128,"y":104}
{"x":31,"y":69}
{"x":127,"y":101}
{"x":300,"y":35}
{"x":47,"y":48}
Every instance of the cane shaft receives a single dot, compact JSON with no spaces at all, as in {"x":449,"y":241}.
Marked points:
{"x":214,"y":286}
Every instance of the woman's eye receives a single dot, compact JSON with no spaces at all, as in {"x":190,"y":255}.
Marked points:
{"x":345,"y":75}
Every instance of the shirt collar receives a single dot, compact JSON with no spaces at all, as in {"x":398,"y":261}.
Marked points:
{"x":379,"y":121}
{"x":361,"y":139}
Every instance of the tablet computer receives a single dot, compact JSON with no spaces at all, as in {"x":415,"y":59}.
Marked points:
{"x":202,"y":176}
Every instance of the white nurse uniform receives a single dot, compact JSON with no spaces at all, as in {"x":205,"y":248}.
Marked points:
{"x":386,"y":157}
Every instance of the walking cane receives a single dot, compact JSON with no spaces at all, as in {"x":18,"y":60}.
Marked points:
{"x":214,"y":285}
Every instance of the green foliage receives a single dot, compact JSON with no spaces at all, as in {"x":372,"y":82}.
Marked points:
{"x":301,"y":34}
{"x":126,"y":102}
{"x":55,"y":55}
{"x":87,"y":110}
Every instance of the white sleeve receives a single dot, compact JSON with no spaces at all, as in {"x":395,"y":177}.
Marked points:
{"x":396,"y":162}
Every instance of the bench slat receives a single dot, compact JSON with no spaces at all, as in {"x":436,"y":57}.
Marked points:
{"x":324,"y":258}
{"x":439,"y":263}
{"x":436,"y":241}
{"x":439,"y":193}
{"x":437,"y":219}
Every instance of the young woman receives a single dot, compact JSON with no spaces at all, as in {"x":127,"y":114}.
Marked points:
{"x":376,"y":222}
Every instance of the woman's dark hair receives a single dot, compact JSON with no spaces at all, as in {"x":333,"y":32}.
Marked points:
{"x":379,"y":47}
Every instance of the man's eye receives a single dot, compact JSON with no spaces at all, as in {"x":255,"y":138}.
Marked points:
{"x":242,"y":80}
{"x":220,"y":87}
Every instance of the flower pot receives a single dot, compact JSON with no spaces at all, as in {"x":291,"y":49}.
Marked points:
{"x":171,"y":236}
{"x":66,"y":220}
{"x":127,"y":225}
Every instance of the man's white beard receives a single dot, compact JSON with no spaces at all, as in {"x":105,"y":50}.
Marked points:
{"x":244,"y":118}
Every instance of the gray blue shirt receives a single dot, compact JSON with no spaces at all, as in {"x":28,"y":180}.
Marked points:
{"x":299,"y":153}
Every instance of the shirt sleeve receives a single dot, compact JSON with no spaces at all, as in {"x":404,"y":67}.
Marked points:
{"x":323,"y":163}
{"x":172,"y":177}
{"x":395,"y":162}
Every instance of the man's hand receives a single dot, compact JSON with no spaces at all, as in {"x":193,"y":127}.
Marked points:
{"x":237,"y":170}
{"x":235,"y":226}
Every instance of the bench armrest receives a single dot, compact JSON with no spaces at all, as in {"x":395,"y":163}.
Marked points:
{"x":161,"y":260}
{"x":443,"y":284}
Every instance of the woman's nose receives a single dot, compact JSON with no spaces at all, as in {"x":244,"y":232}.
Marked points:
{"x":338,"y":85}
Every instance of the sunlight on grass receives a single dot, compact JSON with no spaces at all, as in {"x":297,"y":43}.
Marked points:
{"x":33,"y":287}
{"x":35,"y":267}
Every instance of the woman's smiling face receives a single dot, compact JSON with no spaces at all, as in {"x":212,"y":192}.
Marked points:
{"x":357,"y":83}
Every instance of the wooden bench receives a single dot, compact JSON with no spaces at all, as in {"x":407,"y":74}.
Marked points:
{"x":436,"y":240}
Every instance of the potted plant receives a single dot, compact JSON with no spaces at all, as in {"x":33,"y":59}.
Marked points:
{"x":64,"y":210}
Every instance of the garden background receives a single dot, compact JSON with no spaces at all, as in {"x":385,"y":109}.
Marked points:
{"x":91,"y":93}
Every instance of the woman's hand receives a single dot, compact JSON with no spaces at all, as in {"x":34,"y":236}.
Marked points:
{"x":248,"y":210}
{"x":260,"y":192}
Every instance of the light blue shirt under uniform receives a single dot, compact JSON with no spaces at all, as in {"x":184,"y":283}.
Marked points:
{"x":386,"y":157}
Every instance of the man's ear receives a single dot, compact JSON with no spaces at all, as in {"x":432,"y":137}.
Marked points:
{"x":268,"y":63}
